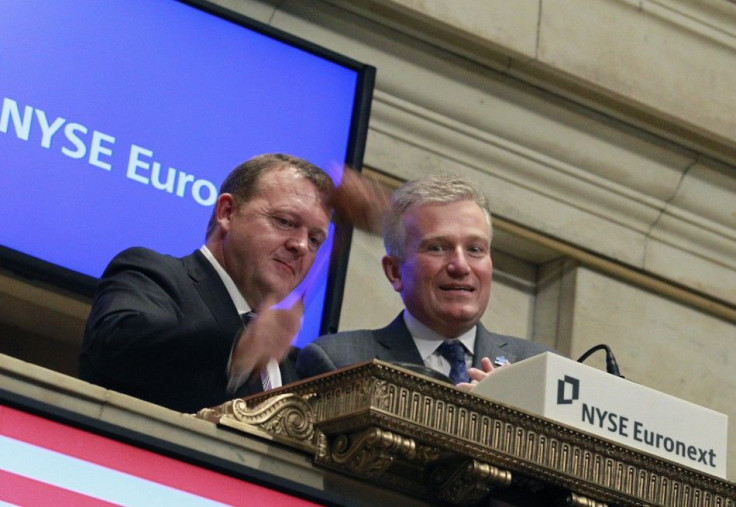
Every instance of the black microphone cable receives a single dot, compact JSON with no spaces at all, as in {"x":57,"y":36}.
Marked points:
{"x":611,"y":364}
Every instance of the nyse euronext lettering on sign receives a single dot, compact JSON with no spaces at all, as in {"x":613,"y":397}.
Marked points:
{"x":78,"y":141}
{"x":613,"y":408}
{"x":637,"y":431}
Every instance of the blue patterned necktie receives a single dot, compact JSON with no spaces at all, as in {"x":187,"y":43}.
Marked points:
{"x":454,"y":352}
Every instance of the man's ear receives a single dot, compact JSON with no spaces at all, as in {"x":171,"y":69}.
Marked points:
{"x":224,"y":209}
{"x":393,"y":273}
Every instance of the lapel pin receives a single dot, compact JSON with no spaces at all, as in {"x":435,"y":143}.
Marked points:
{"x":500,"y":361}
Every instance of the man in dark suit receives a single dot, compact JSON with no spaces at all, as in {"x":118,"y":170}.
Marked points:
{"x":437,"y":235}
{"x":171,"y":330}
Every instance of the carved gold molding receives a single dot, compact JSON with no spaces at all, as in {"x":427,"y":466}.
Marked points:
{"x":286,"y":418}
{"x":406,"y":431}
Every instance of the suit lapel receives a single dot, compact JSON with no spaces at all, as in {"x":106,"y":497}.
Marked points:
{"x":212,"y":290}
{"x":288,"y":367}
{"x":490,"y":345}
{"x":396,"y":344}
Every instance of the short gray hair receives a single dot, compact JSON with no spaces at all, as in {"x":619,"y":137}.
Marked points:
{"x":425,"y":190}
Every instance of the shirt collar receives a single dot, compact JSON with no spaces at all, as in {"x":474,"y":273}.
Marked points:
{"x":238,"y":300}
{"x":427,"y":340}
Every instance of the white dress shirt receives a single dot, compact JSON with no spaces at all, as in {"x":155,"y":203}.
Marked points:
{"x":428,"y":340}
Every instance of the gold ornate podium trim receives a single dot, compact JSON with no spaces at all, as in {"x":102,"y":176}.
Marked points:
{"x":406,"y":431}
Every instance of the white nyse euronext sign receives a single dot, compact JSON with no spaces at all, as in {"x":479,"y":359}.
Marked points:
{"x":613,"y":408}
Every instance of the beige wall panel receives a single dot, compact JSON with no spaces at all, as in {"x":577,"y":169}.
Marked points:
{"x":708,"y":190}
{"x":511,"y":306}
{"x":660,"y":344}
{"x":554,"y":306}
{"x":715,"y":17}
{"x":646,"y":55}
{"x":369,"y":301}
{"x":689,"y":269}
{"x":563,"y":141}
{"x":694,"y":241}
{"x":512,"y":25}
{"x":521,"y":196}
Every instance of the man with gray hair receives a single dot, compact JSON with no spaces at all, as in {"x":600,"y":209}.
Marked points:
{"x":437,"y":235}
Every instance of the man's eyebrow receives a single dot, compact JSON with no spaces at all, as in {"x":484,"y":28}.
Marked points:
{"x":433,"y":237}
{"x":443,"y":238}
{"x":283,"y":208}
{"x":481,"y":237}
{"x":450,"y":237}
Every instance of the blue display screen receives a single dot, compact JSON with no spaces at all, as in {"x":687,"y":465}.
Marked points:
{"x":120,"y":118}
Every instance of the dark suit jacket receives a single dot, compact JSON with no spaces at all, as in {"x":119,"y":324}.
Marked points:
{"x":394,"y":343}
{"x":161,"y":329}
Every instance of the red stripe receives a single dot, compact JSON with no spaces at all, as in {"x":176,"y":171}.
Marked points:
{"x":135,"y":461}
{"x":21,"y":490}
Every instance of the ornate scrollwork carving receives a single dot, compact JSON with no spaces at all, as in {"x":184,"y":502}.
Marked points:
{"x":466,"y":481}
{"x":427,"y":454}
{"x":370,"y":452}
{"x":286,"y":417}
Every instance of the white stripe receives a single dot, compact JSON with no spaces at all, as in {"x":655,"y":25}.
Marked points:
{"x":89,"y":479}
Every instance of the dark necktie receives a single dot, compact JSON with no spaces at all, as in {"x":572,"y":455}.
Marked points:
{"x":265,"y":379}
{"x":247,"y":317}
{"x":454,"y":352}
